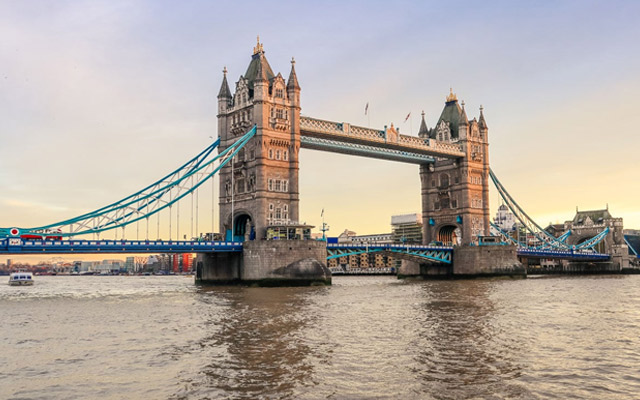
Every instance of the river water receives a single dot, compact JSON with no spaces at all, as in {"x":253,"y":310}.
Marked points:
{"x":95,"y":337}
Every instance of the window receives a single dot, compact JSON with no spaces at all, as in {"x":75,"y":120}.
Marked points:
{"x":285,"y":155}
{"x":240,"y":187}
{"x":444,"y":180}
{"x":285,"y":185}
{"x":277,"y":154}
{"x":279,"y":93}
{"x":278,"y":186}
{"x":279,"y":113}
{"x":270,"y":184}
{"x":270,"y":154}
{"x":278,"y":213}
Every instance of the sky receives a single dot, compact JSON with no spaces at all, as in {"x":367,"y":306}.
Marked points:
{"x":100,"y":98}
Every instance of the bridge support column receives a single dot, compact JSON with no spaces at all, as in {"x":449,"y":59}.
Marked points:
{"x":267,"y":263}
{"x":285,"y":263}
{"x":479,"y":261}
{"x":218,"y":268}
{"x":412,"y":269}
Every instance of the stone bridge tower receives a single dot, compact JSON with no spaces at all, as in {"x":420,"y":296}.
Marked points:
{"x":264,"y":179}
{"x":455,"y":193}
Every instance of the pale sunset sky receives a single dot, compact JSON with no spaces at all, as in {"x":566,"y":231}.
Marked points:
{"x":100,"y":98}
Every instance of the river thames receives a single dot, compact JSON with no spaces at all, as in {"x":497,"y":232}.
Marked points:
{"x":368,"y":337}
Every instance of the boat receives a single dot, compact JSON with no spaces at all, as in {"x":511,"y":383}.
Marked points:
{"x":21,"y":279}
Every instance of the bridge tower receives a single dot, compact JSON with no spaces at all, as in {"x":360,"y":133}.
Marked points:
{"x":264,"y":179}
{"x":455,"y":193}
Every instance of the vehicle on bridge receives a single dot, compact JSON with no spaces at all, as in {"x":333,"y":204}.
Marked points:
{"x":31,"y":236}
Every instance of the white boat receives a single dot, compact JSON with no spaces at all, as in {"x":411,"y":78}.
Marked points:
{"x":21,"y":279}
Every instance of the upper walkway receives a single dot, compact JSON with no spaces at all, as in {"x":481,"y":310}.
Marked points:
{"x":339,"y":137}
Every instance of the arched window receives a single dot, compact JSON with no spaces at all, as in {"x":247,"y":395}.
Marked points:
{"x":285,"y":155}
{"x":277,"y":154}
{"x":444,"y":180}
{"x":270,"y":184}
{"x":270,"y":154}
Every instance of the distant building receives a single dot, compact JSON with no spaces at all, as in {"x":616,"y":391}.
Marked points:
{"x":505,"y":219}
{"x":364,"y":260}
{"x":130,"y":264}
{"x":181,"y":262}
{"x":406,"y":228}
{"x":555,"y":229}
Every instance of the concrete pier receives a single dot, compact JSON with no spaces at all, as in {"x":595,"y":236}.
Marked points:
{"x":469,"y":262}
{"x":267,"y":263}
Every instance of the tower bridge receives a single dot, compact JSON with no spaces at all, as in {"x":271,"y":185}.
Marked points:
{"x":260,"y":134}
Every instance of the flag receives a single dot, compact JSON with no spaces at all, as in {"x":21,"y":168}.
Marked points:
{"x":366,"y":108}
{"x":407,"y":117}
{"x":322,"y":213}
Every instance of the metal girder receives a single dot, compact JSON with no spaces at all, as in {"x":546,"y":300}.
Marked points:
{"x":589,"y":244}
{"x":428,"y":253}
{"x":381,"y":152}
{"x":148,"y":201}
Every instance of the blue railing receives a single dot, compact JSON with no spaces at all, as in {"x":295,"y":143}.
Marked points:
{"x":19,"y":246}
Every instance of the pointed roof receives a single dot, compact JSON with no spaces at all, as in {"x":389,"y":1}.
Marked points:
{"x":463,"y":116}
{"x":481,"y":122}
{"x":225,"y":92}
{"x":423,"y":131}
{"x":452,"y":113}
{"x":292,"y":83}
{"x":259,"y":67}
{"x":595,"y":216}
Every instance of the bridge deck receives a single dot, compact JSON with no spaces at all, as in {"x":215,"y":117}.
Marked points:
{"x":19,"y":246}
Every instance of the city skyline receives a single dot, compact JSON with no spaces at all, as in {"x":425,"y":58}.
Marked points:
{"x":100,"y":99}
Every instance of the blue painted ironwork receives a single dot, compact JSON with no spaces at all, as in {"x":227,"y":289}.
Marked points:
{"x":505,"y":235}
{"x":546,"y":238}
{"x":591,"y":243}
{"x":631,"y":247}
{"x":17,"y":246}
{"x":149,"y":201}
{"x":440,"y":254}
{"x":338,"y":146}
{"x":582,"y":255}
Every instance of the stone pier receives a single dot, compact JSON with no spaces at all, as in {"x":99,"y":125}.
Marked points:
{"x":469,"y":262}
{"x":267,"y":263}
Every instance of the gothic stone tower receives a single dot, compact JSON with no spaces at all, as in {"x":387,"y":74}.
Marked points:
{"x":265,"y":172}
{"x":455,"y":193}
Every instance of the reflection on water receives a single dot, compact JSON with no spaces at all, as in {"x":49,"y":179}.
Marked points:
{"x":256,"y":346}
{"x":462,"y":352}
{"x":362,"y":338}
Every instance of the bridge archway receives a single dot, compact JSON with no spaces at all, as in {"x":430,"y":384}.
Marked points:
{"x":449,"y":235}
{"x":243,"y":227}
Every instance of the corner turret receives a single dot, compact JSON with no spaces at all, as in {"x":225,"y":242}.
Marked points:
{"x":224,"y":95}
{"x":423,"y":132}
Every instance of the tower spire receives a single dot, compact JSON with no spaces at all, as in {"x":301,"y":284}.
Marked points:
{"x":463,"y":116}
{"x":225,"y":92}
{"x":258,"y":48}
{"x":423,"y":131}
{"x":481,"y":121}
{"x":292,"y":83}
